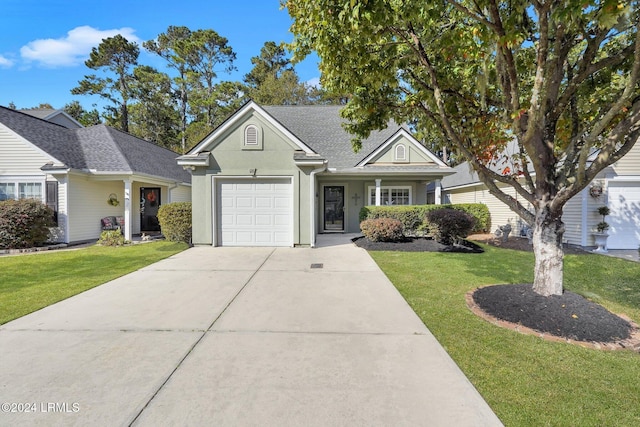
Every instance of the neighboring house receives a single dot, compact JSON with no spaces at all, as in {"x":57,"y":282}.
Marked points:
{"x":78,"y":171}
{"x":277,"y":176}
{"x":620,"y":185}
{"x":59,"y":117}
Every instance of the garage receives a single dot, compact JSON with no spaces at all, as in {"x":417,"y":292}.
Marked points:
{"x":624,"y":220}
{"x":254,"y":212}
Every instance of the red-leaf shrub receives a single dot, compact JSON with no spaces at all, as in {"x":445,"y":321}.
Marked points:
{"x":24,"y":223}
{"x":382,"y":229}
{"x":449,"y":225}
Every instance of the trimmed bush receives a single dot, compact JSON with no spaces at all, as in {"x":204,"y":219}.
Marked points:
{"x":413,"y":217}
{"x":111,"y":238}
{"x":382,"y":229}
{"x":447,"y":225}
{"x":175,"y":221}
{"x":24,"y":223}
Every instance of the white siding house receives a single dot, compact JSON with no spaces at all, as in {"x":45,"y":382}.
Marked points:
{"x":76,"y":171}
{"x":620,"y":185}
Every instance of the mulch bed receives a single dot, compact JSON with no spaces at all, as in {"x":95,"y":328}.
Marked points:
{"x":518,"y":243}
{"x":568,"y":315}
{"x":417,"y":244}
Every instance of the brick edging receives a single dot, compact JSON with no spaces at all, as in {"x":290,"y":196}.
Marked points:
{"x":631,"y":343}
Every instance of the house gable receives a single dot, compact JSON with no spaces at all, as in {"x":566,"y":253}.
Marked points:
{"x":250,"y":114}
{"x":401,"y":149}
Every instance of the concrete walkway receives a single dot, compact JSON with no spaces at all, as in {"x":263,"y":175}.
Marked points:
{"x":236,"y":336}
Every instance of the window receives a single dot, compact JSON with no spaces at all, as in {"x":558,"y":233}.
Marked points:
{"x":391,"y":195}
{"x":21,"y":190}
{"x":30,"y":190}
{"x":401,"y":153}
{"x":7,"y":191}
{"x":251,"y":135}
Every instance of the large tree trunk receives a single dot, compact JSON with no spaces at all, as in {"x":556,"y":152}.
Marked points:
{"x":548,"y":230}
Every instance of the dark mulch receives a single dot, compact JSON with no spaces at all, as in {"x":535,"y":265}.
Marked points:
{"x":417,"y":244}
{"x":518,"y":243}
{"x":568,"y":315}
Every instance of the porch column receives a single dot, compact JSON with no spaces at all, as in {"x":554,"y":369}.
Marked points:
{"x":438,"y":192}
{"x":378,"y":181}
{"x":127,"y":209}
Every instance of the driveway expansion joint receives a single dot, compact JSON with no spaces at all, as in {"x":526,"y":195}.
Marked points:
{"x":195,"y":344}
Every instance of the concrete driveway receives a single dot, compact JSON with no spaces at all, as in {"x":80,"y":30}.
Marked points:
{"x":236,"y":336}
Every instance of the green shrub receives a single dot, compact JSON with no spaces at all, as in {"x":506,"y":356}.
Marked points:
{"x":413,"y":217}
{"x":111,"y":238}
{"x":382,"y":229}
{"x":24,"y":223}
{"x":175,"y":221}
{"x":447,"y":225}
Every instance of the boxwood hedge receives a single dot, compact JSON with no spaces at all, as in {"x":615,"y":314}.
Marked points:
{"x":413,"y":217}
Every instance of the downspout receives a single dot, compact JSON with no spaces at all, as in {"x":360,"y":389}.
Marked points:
{"x":312,"y":190}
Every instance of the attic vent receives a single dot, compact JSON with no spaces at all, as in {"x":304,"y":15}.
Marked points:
{"x":401,"y":153}
{"x":251,"y":135}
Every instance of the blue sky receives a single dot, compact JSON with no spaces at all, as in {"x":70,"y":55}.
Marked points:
{"x":44,"y":43}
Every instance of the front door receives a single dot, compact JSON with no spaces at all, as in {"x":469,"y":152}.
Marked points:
{"x":149,"y":204}
{"x":334,"y":208}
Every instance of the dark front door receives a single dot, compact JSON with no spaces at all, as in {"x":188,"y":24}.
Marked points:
{"x":149,"y":203}
{"x":334,"y":208}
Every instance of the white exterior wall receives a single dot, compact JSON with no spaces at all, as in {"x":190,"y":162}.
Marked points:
{"x":88,"y":204}
{"x":182,"y":193}
{"x":18,"y":157}
{"x":500,"y":213}
{"x":630,"y":163}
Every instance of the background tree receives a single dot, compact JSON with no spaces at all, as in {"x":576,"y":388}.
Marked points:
{"x":154,"y":116}
{"x":173,"y":46}
{"x":558,"y":80}
{"x":118,"y":56}
{"x":84,"y":117}
{"x":273,"y":80}
{"x":208,"y":54}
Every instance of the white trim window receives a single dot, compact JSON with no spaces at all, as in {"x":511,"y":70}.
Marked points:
{"x":21,"y":190}
{"x":396,"y":195}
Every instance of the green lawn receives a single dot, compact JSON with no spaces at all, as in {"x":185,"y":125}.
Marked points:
{"x":527,"y":381}
{"x":31,"y":282}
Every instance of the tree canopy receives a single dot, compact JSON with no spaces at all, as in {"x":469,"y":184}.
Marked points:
{"x":556,"y":81}
{"x":117,"y":56}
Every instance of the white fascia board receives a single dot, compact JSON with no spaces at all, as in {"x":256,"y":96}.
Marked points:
{"x":239,"y":115}
{"x":400,"y":133}
{"x":201,"y":159}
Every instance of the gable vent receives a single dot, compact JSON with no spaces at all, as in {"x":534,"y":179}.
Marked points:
{"x":251,"y":135}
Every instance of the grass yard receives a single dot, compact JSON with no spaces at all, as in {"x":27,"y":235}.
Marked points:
{"x":527,"y":381}
{"x":31,"y":282}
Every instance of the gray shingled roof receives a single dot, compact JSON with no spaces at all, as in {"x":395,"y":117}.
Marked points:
{"x":41,"y":113}
{"x":320,"y":127}
{"x":98,"y":148}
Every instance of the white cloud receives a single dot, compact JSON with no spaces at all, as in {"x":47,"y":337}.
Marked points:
{"x":73,"y":49}
{"x":314,"y":82}
{"x":5,"y":62}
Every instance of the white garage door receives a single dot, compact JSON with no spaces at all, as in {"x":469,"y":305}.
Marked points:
{"x":255,"y":212}
{"x":624,"y":221}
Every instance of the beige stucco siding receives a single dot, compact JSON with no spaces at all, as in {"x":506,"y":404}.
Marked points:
{"x":412,"y":154}
{"x":231,"y":158}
